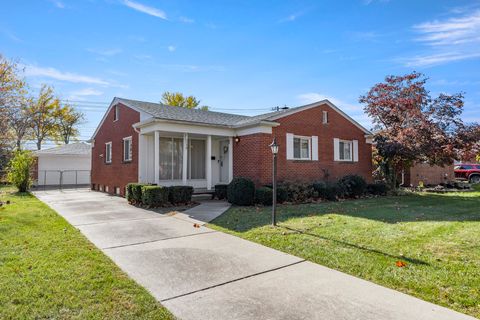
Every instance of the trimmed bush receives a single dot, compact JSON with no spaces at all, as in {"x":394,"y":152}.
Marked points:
{"x":320,"y":188}
{"x":241,"y":191}
{"x":154,"y":196}
{"x":378,"y":188}
{"x":221,"y":191}
{"x":134,"y":192}
{"x":332,"y":192}
{"x":282,"y":194}
{"x":264,"y":195}
{"x":352,"y":185}
{"x":298,"y":192}
{"x":180,"y":194}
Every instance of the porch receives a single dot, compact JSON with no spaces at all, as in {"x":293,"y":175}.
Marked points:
{"x":191,"y":158}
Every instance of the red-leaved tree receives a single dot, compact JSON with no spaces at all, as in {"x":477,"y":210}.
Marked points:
{"x":411,"y":127}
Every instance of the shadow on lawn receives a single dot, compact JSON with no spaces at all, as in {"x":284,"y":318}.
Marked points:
{"x":351,"y":245}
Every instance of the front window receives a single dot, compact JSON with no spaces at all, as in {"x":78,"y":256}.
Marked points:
{"x":345,"y":148}
{"x":171,"y":158}
{"x":127,"y":149}
{"x":108,"y":152}
{"x":301,"y":148}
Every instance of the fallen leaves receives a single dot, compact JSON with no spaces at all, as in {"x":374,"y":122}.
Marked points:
{"x":400,"y":264}
{"x":196,"y":225}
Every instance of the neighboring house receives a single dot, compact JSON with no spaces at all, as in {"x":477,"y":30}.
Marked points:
{"x":428,"y":175}
{"x":153,"y":143}
{"x":68,"y":164}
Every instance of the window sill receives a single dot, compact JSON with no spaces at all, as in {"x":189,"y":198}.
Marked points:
{"x":127,"y":161}
{"x":302,"y":160}
{"x":108,"y":163}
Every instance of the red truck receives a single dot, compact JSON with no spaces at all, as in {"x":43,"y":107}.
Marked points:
{"x":467,"y":171}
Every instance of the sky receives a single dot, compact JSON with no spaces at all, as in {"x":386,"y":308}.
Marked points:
{"x":243,"y":57}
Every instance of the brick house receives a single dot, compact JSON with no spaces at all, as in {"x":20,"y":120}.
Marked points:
{"x":153,"y":143}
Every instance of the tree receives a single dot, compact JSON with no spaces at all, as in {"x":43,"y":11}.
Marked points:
{"x":19,"y":170}
{"x":412,"y":127}
{"x":19,"y":120}
{"x":43,"y":115}
{"x":67,"y":122}
{"x":177,"y":99}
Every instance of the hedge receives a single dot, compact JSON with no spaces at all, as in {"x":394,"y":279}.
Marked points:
{"x":221,"y":191}
{"x":264,"y":195}
{"x":352,"y":185}
{"x":241,"y":191}
{"x":134,"y":192}
{"x":378,"y":188}
{"x":180,"y":194}
{"x":154,"y":196}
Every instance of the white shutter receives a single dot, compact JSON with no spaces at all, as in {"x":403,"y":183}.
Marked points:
{"x":336,"y":149}
{"x":289,"y":146}
{"x":355,"y":150}
{"x":314,"y":148}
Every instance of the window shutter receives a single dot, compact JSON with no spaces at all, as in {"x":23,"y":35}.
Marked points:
{"x":289,"y":146}
{"x":355,"y":150}
{"x":336,"y":149}
{"x":314,"y":148}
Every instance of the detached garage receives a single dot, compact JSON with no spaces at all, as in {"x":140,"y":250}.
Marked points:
{"x":69,"y":164}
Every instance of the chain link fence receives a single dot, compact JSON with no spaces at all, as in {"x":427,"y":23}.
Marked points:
{"x":55,"y":178}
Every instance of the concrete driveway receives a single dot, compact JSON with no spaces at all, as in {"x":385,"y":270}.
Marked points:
{"x":199,"y":273}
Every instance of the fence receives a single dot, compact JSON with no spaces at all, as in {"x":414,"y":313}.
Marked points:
{"x":62,"y":178}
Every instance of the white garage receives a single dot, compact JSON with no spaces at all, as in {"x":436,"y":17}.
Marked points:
{"x":65,"y":165}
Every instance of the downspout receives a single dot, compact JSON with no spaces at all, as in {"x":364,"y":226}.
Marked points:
{"x":403,"y":178}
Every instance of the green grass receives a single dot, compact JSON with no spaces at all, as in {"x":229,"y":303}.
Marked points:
{"x":48,"y":270}
{"x":437,"y":236}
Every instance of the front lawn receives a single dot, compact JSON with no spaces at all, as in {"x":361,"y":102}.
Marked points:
{"x":48,"y":270}
{"x":436,"y":235}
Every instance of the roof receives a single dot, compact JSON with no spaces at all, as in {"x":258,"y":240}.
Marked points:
{"x":79,"y":148}
{"x":205,"y":117}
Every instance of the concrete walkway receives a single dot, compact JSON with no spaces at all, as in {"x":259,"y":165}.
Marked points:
{"x":199,"y":273}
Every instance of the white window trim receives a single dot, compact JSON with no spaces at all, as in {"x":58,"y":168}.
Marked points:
{"x":108,"y":144}
{"x":116,"y":113}
{"x":130,"y":153}
{"x":351,"y":150}
{"x":309,"y":139}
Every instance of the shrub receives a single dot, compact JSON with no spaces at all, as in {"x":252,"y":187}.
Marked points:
{"x":19,"y":170}
{"x":221,"y":191}
{"x":241,"y":191}
{"x":264,"y":195}
{"x":180,"y":194}
{"x":352,"y":185}
{"x":154,"y":196}
{"x":282,"y":194}
{"x":298,"y":192}
{"x":320,"y":187}
{"x":134,"y":192}
{"x":332,"y":192}
{"x":378,"y":188}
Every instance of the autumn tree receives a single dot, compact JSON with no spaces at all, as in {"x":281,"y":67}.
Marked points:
{"x":66,"y":125}
{"x":43,"y":115}
{"x":411,"y":127}
{"x":177,"y":99}
{"x":20,"y":120}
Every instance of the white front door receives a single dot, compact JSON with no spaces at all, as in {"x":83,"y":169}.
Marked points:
{"x":224,"y":160}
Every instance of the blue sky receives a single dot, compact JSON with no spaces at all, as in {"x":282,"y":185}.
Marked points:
{"x":241,"y":56}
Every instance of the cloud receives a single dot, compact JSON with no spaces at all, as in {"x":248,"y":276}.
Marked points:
{"x":106,"y":52}
{"x":59,"y":4}
{"x":191,"y":68}
{"x":10,"y":35}
{"x":146,"y":9}
{"x":82,"y":93}
{"x":453,"y":39}
{"x":368,"y":2}
{"x":171,"y":48}
{"x":311,"y":97}
{"x":292,"y":17}
{"x":52,"y":73}
{"x":186,"y":20}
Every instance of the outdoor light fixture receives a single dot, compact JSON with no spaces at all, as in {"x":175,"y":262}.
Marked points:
{"x":274,"y":146}
{"x":237,"y":139}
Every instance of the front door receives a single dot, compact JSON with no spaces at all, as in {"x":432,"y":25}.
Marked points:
{"x":223,"y":160}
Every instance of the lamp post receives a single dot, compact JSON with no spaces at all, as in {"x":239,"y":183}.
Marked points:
{"x":274,"y":146}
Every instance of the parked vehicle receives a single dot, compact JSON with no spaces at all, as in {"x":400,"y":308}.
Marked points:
{"x":466,"y":171}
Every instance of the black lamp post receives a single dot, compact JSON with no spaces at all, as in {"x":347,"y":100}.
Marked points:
{"x":274,"y":146}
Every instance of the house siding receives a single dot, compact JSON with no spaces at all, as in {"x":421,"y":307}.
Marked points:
{"x":429,"y":175}
{"x":117,"y":173}
{"x":252,"y":155}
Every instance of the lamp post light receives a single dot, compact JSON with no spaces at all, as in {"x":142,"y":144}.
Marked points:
{"x":274,"y":146}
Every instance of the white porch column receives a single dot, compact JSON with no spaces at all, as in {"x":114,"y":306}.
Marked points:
{"x":142,"y":155}
{"x":230,"y":159}
{"x":209,"y":163}
{"x":156,"y":157}
{"x":185,"y":159}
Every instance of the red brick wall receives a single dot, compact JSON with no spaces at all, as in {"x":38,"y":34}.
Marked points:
{"x":253,"y":158}
{"x":429,"y":174}
{"x":118,"y":173}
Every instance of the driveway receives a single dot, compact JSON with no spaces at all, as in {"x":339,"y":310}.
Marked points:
{"x":199,"y":273}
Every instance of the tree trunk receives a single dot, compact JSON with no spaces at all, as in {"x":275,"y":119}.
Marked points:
{"x":39,"y":144}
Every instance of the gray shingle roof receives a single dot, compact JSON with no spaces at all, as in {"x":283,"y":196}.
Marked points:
{"x":162,"y":111}
{"x":79,"y":148}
